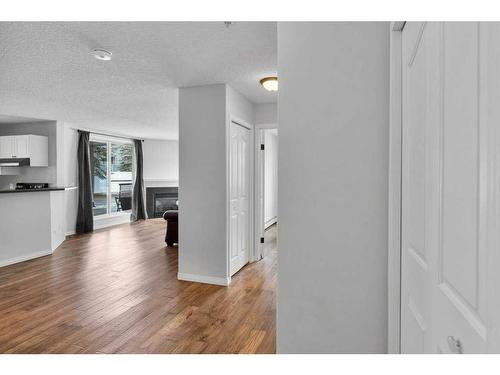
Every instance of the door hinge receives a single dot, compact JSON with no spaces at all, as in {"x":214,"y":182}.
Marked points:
{"x":262,"y":146}
{"x":262,"y":240}
{"x":455,"y":345}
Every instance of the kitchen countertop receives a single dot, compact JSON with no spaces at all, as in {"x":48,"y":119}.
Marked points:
{"x":54,"y":188}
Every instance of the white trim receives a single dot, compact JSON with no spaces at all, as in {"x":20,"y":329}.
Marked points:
{"x":258,"y":185}
{"x":150,"y":182}
{"x":394,"y":199}
{"x":104,"y":221}
{"x":204,"y":279}
{"x":112,"y":215}
{"x":24,"y":258}
{"x":251,"y":247}
{"x":490,"y":172}
{"x":109,"y":138}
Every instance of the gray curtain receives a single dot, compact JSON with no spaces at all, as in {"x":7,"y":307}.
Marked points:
{"x":84,"y":218}
{"x":138,"y":193}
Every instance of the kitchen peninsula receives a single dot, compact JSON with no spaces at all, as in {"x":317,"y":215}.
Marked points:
{"x":31,"y":223}
{"x":37,"y":166}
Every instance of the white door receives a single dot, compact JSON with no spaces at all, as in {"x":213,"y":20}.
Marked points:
{"x":239,"y":167}
{"x":450,"y":188}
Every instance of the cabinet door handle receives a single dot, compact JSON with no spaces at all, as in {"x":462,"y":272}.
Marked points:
{"x":455,"y":345}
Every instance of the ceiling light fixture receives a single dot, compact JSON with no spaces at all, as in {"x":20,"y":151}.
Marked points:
{"x":102,"y":54}
{"x":270,"y":83}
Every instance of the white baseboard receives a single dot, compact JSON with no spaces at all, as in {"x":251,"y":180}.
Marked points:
{"x":224,"y":281}
{"x":105,"y":222}
{"x":108,"y":221}
{"x":270,"y":222}
{"x":23,"y":258}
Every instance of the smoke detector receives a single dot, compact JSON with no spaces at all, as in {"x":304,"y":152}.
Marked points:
{"x":102,"y":54}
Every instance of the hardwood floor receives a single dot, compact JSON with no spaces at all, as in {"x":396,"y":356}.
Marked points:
{"x":116,"y":291}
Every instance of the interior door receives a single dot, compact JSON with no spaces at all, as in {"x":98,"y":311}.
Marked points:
{"x":450,"y":188}
{"x":239,"y":167}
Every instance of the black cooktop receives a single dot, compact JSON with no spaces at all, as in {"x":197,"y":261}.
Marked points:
{"x":31,"y":185}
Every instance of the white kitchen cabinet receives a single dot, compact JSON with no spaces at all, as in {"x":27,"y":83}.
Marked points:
{"x":21,"y":146}
{"x":34,"y":147}
{"x":6,"y":144}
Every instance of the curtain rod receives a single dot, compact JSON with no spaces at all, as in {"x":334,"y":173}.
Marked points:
{"x":108,"y":135}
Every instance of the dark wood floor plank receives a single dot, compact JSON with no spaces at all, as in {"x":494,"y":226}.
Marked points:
{"x":116,"y":291}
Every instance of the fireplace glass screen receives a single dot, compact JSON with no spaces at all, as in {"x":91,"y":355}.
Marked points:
{"x":164,"y":203}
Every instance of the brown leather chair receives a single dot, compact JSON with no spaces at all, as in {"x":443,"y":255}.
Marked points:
{"x":172,"y":218}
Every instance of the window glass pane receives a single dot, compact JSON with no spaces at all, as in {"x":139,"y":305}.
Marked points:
{"x":99,"y":160}
{"x":121,"y":177}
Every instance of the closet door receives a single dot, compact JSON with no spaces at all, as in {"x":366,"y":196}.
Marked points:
{"x":450,"y":195}
{"x":240,"y":179}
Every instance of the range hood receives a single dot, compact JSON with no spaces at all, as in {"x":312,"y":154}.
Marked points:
{"x":14,"y":162}
{"x":10,"y":166}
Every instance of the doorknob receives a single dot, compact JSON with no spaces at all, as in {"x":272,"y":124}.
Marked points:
{"x":455,"y":345}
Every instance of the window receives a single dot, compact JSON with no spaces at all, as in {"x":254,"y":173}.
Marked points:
{"x":111,"y":168}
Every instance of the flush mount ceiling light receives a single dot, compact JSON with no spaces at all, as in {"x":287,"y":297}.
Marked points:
{"x":101,"y":54}
{"x":270,"y":83}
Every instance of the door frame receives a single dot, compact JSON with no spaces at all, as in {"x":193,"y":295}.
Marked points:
{"x":259,"y":189}
{"x":394,"y":198}
{"x":251,"y":215}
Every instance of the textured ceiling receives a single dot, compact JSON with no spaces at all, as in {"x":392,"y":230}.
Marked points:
{"x":17,"y":120}
{"x":47,"y":71}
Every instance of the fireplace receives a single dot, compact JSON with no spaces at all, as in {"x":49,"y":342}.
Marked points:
{"x":161,"y":199}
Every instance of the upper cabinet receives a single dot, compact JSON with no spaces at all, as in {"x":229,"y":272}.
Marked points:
{"x":6,"y":147}
{"x":34,"y":147}
{"x":22,"y":144}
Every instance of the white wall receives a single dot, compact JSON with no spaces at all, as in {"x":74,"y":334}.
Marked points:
{"x":202,"y":182}
{"x":204,"y":113}
{"x":333,"y":168}
{"x":270,"y":176}
{"x":266,"y":113}
{"x":239,"y":106}
{"x":161,"y":162}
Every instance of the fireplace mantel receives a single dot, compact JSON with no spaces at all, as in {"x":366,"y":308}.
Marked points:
{"x":150,"y":182}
